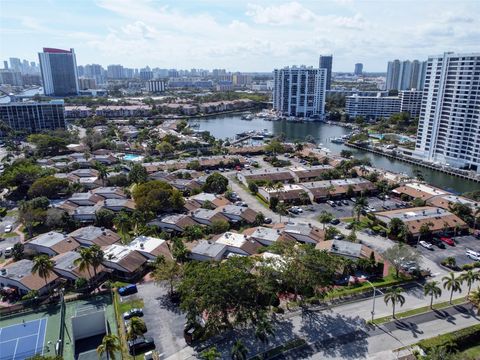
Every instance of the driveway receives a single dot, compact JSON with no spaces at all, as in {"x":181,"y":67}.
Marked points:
{"x":164,"y":320}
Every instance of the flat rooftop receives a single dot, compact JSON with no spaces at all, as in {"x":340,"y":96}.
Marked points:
{"x":145,"y":243}
{"x":48,"y":239}
{"x":232,"y":239}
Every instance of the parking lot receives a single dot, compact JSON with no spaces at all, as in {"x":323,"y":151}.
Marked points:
{"x":164,"y":320}
{"x":343,"y":211}
{"x":462,"y":244}
{"x":10,"y":240}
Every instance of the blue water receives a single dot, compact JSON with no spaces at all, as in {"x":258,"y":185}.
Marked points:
{"x":132,"y":157}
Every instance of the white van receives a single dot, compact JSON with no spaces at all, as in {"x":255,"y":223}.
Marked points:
{"x":8,"y":252}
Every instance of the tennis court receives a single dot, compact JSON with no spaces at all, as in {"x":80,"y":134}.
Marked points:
{"x":23,"y":340}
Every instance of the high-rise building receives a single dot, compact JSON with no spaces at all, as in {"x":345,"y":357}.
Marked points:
{"x":16,"y":64}
{"x":86,"y":83}
{"x":300,"y":91}
{"x":240,"y":80}
{"x":95,"y":71}
{"x":405,"y":75}
{"x":411,"y":101}
{"x":11,"y":77}
{"x":449,"y":123}
{"x":146,"y":74}
{"x":33,"y":116}
{"x":358,"y":69}
{"x":59,"y":72}
{"x":325,"y":62}
{"x":115,"y":72}
{"x":156,"y":86}
{"x":5,"y":64}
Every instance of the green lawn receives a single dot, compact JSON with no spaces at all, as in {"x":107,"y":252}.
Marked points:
{"x":10,"y":235}
{"x":419,"y":310}
{"x":471,"y":353}
{"x":359,"y":288}
{"x":124,"y":306}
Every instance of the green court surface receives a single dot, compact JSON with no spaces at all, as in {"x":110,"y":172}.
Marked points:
{"x":52,"y":314}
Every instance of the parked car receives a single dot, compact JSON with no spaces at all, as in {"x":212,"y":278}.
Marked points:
{"x":426,"y":245}
{"x":267,"y":220}
{"x":8,"y":252}
{"x":8,"y":228}
{"x":345,"y":202}
{"x":141,"y":345}
{"x":331,"y":203}
{"x":128,"y":290}
{"x":339,"y":237}
{"x":241,"y":203}
{"x":438,"y":243}
{"x":447,"y":240}
{"x":472,"y":254}
{"x":334,"y":221}
{"x":132,"y":312}
{"x":352,"y":199}
{"x":349,"y":226}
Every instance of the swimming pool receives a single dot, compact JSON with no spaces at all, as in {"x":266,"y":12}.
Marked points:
{"x":132,"y":157}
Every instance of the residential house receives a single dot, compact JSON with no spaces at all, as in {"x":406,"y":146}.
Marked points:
{"x":175,"y":222}
{"x":439,"y":219}
{"x":264,"y":235}
{"x":238,"y":244}
{"x":119,"y":204}
{"x":416,"y":190}
{"x":265,"y":175}
{"x":150,"y":247}
{"x":92,"y":235}
{"x":289,"y":193}
{"x":238,"y":214}
{"x":301,"y":232}
{"x":18,"y":275}
{"x":207,"y":217}
{"x":208,"y":251}
{"x":51,"y":244}
{"x":67,"y":267}
{"x":310,"y":173}
{"x":125,"y":262}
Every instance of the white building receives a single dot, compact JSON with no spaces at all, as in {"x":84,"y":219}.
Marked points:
{"x":300,"y":91}
{"x":448,"y":129}
{"x":372,"y":107}
{"x":156,"y":86}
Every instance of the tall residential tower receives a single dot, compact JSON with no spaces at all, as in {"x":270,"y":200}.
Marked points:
{"x":449,"y":124}
{"x":325,"y":62}
{"x":300,"y":91}
{"x":59,"y":72}
{"x":405,"y":75}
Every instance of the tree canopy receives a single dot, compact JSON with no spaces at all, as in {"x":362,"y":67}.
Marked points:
{"x":157,"y":196}
{"x":216,"y":183}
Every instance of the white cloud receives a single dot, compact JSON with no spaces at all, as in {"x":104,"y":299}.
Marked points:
{"x":280,"y":14}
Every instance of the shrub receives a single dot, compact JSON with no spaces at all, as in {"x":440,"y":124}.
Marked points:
{"x":453,"y":341}
{"x":467,"y":267}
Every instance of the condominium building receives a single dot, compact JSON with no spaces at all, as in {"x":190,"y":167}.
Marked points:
{"x":325,"y":62}
{"x":33,"y":116}
{"x":156,"y":86}
{"x":405,"y":75}
{"x":300,"y":91}
{"x":372,"y":107}
{"x":87,"y":83}
{"x":449,"y":124}
{"x":358,"y":69}
{"x":59,"y":72}
{"x":115,"y":72}
{"x":411,"y":101}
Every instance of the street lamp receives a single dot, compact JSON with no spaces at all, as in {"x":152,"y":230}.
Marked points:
{"x":374,"y":295}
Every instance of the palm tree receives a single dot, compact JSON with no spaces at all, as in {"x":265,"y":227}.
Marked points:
{"x":97,"y":258}
{"x":325,"y":217}
{"x":360,"y":204}
{"x":84,"y":262}
{"x":122,"y":223}
{"x":263,"y":330}
{"x":43,"y":266}
{"x":102,"y":172}
{"x":304,"y":198}
{"x":424,"y":230}
{"x":474,"y":298}
{"x":110,"y":345}
{"x":239,"y":351}
{"x":281,"y":209}
{"x":431,"y":288}
{"x":394,"y":295}
{"x":470,"y":277}
{"x":476,"y":216}
{"x":452,"y":284}
{"x":136,"y":328}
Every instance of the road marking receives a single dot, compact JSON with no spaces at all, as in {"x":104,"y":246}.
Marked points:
{"x":15,"y":351}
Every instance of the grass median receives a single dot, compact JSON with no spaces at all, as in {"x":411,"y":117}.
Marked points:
{"x":418,"y":311}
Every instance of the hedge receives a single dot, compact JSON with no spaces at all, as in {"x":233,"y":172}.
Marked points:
{"x":454,"y":341}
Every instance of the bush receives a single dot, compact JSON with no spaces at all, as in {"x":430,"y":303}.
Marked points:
{"x":453,"y":341}
{"x":467,"y":267}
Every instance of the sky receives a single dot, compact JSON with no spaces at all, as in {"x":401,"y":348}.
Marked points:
{"x":239,"y":35}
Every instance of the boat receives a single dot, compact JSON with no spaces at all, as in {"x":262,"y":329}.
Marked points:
{"x":337,"y":140}
{"x":247,"y":117}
